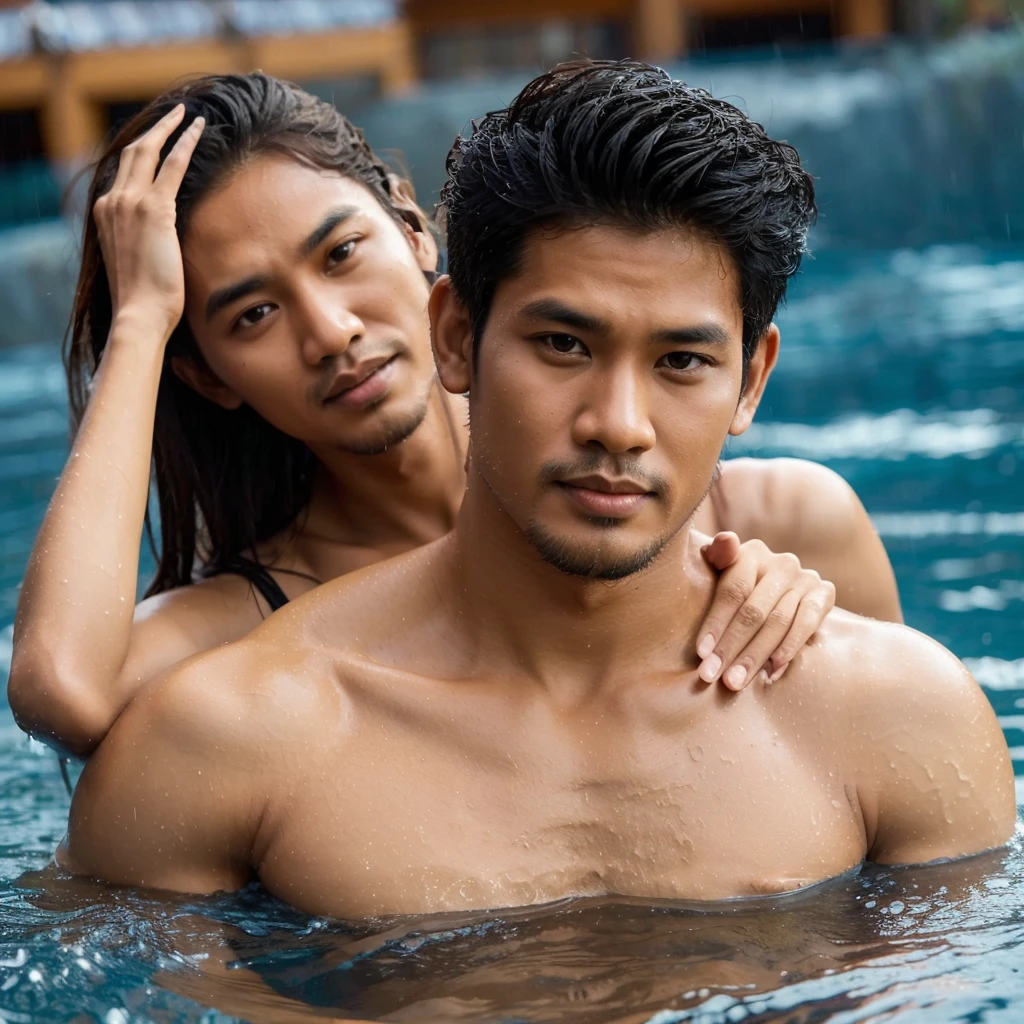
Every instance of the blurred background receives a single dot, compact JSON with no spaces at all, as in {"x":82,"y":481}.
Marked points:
{"x":903,"y":350}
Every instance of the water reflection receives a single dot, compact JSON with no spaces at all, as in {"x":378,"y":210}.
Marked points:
{"x":933,"y":941}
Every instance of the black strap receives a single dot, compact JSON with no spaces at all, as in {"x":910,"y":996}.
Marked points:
{"x":258,"y":577}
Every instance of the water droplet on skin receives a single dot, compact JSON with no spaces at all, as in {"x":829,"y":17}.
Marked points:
{"x":696,"y":753}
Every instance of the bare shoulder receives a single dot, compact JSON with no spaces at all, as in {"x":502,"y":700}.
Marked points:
{"x":194,"y":749}
{"x":875,"y":658}
{"x":777,"y":499}
{"x":360,"y":610}
{"x":881,"y":668}
{"x":219,"y":607}
{"x":915,"y":735}
{"x":812,"y":512}
{"x":171,"y":627}
{"x":218,"y":704}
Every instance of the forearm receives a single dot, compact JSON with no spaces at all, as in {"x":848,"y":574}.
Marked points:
{"x":74,"y":618}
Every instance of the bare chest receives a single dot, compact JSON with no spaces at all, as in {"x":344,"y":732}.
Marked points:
{"x":407,"y":822}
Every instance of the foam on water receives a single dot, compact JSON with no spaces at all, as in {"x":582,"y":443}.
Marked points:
{"x":893,"y":436}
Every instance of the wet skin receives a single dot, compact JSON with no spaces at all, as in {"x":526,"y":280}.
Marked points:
{"x":418,"y":738}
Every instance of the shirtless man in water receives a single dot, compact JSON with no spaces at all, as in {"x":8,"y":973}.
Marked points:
{"x":417,"y":737}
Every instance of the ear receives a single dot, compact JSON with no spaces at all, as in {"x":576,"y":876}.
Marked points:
{"x":200,"y":378}
{"x":421,"y":239}
{"x":762,"y":362}
{"x":451,"y":334}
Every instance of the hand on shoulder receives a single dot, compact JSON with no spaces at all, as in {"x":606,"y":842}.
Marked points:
{"x":801,"y":507}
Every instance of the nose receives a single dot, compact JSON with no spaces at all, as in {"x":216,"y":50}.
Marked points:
{"x":614,"y":414}
{"x":327,"y":326}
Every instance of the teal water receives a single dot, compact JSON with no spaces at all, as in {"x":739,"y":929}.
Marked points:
{"x":903,"y":371}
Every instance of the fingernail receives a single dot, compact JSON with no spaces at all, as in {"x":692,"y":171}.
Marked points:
{"x":736,"y":677}
{"x":777,"y":674}
{"x":710,"y":668}
{"x":706,"y":646}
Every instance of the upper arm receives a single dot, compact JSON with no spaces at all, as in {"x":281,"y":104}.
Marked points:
{"x":165,"y":802}
{"x":812,"y":512}
{"x":55,"y":697}
{"x":934,"y":773}
{"x":169,"y":628}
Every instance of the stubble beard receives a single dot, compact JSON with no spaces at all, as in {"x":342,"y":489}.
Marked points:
{"x":392,"y":433}
{"x":570,"y":559}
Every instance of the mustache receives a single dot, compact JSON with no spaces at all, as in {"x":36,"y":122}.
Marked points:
{"x":605,"y":464}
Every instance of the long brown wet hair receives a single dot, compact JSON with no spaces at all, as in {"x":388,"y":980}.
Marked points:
{"x":225,"y":479}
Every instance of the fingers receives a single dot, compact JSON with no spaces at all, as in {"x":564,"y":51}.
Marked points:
{"x":149,"y":146}
{"x":813,"y":608}
{"x":176,"y":164}
{"x":760,"y":624}
{"x":722,"y":551}
{"x":754,"y":660}
{"x":138,"y":161}
{"x":734,"y":586}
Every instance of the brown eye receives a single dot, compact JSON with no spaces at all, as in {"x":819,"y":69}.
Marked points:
{"x":681,"y":361}
{"x":253,"y":316}
{"x":563,"y":344}
{"x":340,"y":253}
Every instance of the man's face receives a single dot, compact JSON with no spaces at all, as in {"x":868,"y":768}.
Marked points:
{"x":608,"y":376}
{"x":308,"y":301}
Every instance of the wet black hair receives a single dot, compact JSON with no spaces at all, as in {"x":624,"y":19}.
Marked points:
{"x":623,"y":142}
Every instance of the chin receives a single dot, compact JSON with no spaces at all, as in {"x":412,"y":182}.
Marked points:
{"x":613,"y":557}
{"x":389,"y":427}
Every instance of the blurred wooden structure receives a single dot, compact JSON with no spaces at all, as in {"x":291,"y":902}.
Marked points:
{"x":657,"y":27}
{"x":72,"y":90}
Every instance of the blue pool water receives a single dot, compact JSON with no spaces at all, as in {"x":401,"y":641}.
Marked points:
{"x":903,"y":371}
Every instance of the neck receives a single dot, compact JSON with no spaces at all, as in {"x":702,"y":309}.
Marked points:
{"x":570,"y":633}
{"x":401,"y":498}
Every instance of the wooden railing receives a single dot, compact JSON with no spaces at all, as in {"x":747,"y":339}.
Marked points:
{"x":72,"y":91}
{"x":658,"y":26}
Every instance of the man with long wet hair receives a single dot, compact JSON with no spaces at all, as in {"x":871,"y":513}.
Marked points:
{"x":500,"y":717}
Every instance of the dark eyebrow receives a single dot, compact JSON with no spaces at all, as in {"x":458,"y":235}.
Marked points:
{"x":223,"y":297}
{"x":553,"y":311}
{"x":699,"y":334}
{"x":327,"y":225}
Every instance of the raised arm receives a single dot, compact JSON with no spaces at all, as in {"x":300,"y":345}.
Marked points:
{"x":75,"y":615}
